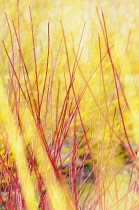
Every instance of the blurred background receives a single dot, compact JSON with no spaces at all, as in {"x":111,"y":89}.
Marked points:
{"x":102,"y":110}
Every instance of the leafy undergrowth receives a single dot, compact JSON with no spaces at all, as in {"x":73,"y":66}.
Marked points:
{"x":69,"y":107}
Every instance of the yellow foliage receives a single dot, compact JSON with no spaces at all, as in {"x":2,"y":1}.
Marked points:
{"x":16,"y":145}
{"x":100,"y":106}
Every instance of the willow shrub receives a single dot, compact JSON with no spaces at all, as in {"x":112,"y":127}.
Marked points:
{"x":69,"y":105}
